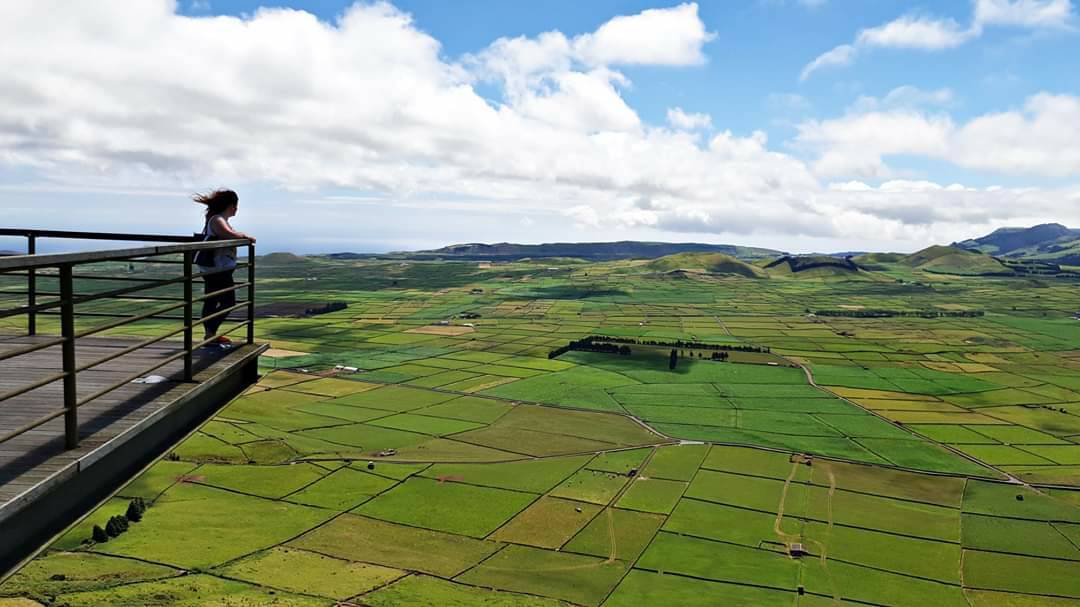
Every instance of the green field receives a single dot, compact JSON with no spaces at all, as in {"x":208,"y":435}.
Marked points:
{"x":917,"y":460}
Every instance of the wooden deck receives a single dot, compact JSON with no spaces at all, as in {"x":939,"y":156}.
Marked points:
{"x":36,"y":462}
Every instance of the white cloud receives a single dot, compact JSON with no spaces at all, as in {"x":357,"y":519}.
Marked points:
{"x":665,"y":36}
{"x":916,"y":33}
{"x":1041,"y":139}
{"x":1023,"y":13}
{"x":927,"y":33}
{"x":688,"y":121}
{"x":132,"y":95}
{"x":841,"y":55}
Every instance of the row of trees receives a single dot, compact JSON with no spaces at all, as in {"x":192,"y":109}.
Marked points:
{"x":880,"y":313}
{"x":333,"y":306}
{"x":621,"y":346}
{"x":678,"y":343}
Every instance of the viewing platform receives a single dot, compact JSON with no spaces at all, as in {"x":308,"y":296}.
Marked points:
{"x":101,"y":371}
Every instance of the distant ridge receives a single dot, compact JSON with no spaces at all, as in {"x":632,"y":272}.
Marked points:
{"x":1048,"y":242}
{"x":593,"y":251}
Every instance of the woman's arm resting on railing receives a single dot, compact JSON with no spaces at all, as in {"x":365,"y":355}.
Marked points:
{"x":222,"y":227}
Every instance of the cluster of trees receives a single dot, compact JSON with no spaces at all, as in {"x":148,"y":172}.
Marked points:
{"x":680,"y":344}
{"x":119,"y":524}
{"x":588,"y":345}
{"x":891,"y":313}
{"x":333,"y":306}
{"x":621,"y":346}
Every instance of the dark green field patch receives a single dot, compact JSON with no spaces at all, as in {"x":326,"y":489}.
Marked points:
{"x":651,"y":495}
{"x":646,"y":589}
{"x":619,"y":462}
{"x":1013,"y":573}
{"x":1032,"y":538}
{"x":264,"y":481}
{"x":678,"y":462}
{"x":536,"y":476}
{"x":450,"y":507}
{"x":616,"y":534}
{"x":341,"y":489}
{"x":720,"y":562}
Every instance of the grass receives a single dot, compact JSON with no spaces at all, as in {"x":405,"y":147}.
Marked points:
{"x":342,"y":489}
{"x":615,"y":533}
{"x":644,"y":589}
{"x":548,"y":523}
{"x":195,"y":526}
{"x":484,"y":490}
{"x":719,"y":562}
{"x":580,"y":579}
{"x":309,"y":573}
{"x":264,"y":481}
{"x":450,"y":507}
{"x":591,"y":486}
{"x":189,"y":591}
{"x":425,"y":591}
{"x":1032,"y":538}
{"x":357,"y":538}
{"x":676,"y":463}
{"x":60,"y":573}
{"x":1014,"y":573}
{"x":536,"y":476}
{"x":652,"y":495}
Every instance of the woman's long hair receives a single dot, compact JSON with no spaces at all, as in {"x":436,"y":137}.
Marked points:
{"x":217,"y":201}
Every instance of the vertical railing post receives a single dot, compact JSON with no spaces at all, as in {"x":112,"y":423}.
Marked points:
{"x":187,"y":316}
{"x":31,"y":287}
{"x":251,"y":294}
{"x":67,"y":331}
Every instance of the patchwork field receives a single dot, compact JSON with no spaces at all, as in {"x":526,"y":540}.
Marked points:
{"x":823,"y":460}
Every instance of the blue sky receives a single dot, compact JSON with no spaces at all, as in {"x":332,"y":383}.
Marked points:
{"x":796,"y":124}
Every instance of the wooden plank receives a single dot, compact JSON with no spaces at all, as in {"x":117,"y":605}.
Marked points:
{"x":32,"y":458}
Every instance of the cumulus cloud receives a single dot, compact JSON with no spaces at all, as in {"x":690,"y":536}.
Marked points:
{"x":671,"y":36}
{"x":1023,"y":13}
{"x":927,"y":33}
{"x":134,"y":95}
{"x":1042,"y":138}
{"x":681,"y":119}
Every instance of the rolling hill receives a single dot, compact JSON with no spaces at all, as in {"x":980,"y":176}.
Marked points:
{"x":593,"y":251}
{"x":711,"y":263}
{"x":953,"y":260}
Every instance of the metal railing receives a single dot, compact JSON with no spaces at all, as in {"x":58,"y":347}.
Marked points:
{"x":64,"y":302}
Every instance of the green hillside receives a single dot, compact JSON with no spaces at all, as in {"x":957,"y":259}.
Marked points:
{"x":712,"y":263}
{"x":952,"y":260}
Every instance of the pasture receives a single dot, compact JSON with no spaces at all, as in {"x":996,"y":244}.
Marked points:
{"x":915,"y":460}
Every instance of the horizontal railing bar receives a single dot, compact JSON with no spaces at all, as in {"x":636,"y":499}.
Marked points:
{"x":155,"y":367}
{"x":108,"y":315}
{"x":155,"y":340}
{"x":79,"y":235}
{"x":146,"y":315}
{"x":107,"y":294}
{"x":132,"y":297}
{"x":34,"y":386}
{"x":30,"y":426}
{"x":12,"y":353}
{"x":18,"y":262}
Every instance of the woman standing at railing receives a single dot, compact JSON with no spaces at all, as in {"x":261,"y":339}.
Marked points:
{"x":221,"y":205}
